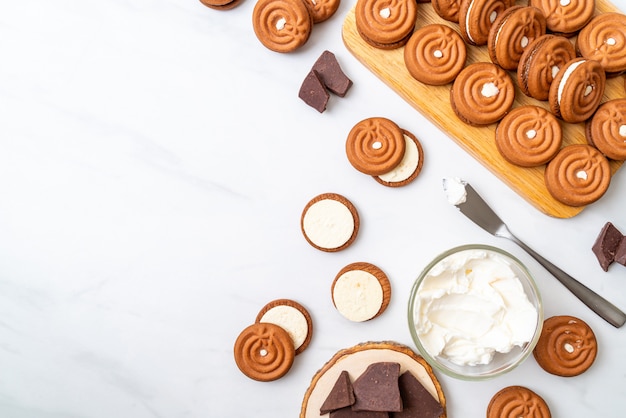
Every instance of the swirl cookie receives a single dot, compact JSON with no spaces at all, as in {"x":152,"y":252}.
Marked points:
{"x":577,"y":90}
{"x":604,"y":40}
{"x":567,"y":346}
{"x":361,"y":291}
{"x":606,"y":130}
{"x":516,"y":402}
{"x":565,"y":17}
{"x":529,"y":136}
{"x":409,"y":167}
{"x":282,"y":25}
{"x":540,"y":62}
{"x":321,"y":10}
{"x":375,"y":146}
{"x":447,"y":9}
{"x":329,"y":222}
{"x":578,"y":175}
{"x":482,"y":94}
{"x":385,"y":25}
{"x":264,"y":352}
{"x":220,"y":4}
{"x":292,"y":317}
{"x":477,"y":16}
{"x":435,"y":54}
{"x":513,"y":30}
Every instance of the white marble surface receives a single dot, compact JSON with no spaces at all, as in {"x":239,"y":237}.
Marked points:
{"x":154,"y":162}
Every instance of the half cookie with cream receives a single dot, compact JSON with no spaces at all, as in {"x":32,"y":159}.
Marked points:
{"x":330,"y":222}
{"x":361,"y":291}
{"x":292,"y":317}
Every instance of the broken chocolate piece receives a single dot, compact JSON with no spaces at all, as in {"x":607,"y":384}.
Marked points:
{"x":377,"y":388}
{"x":331,"y":74}
{"x":606,"y":245}
{"x":349,"y":413}
{"x":340,"y":396}
{"x":620,"y":252}
{"x":417,"y":402}
{"x":313,"y":92}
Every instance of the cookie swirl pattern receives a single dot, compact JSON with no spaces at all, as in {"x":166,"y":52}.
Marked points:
{"x":567,"y":346}
{"x":529,"y":136}
{"x":375,"y":146}
{"x":435,"y":54}
{"x":604,"y":40}
{"x":578,"y":175}
{"x":282,"y":25}
{"x":577,"y":91}
{"x":386,"y":22}
{"x":606,"y":130}
{"x":565,"y":18}
{"x":264,"y":351}
{"x":517,"y":401}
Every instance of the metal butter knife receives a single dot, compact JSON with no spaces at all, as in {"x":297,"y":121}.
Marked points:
{"x":477,"y":210}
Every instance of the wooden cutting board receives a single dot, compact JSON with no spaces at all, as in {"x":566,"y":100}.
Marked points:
{"x":434,"y":103}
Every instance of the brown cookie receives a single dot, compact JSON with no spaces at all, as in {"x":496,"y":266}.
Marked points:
{"x":447,"y":9}
{"x":385,"y":25}
{"x":221,"y":4}
{"x":264,"y":352}
{"x":540,"y":63}
{"x":361,"y":291}
{"x":565,"y":17}
{"x":606,"y":130}
{"x":578,"y":175}
{"x":577,"y":90}
{"x":292,"y":317}
{"x":604,"y":39}
{"x":435,"y":54}
{"x":512,"y":32}
{"x":477,"y":16}
{"x":322,"y":10}
{"x":375,"y":146}
{"x":567,"y":346}
{"x":482,"y":94}
{"x":529,"y":136}
{"x":516,"y":402}
{"x":330,"y":222}
{"x":282,"y":25}
{"x":410,"y":166}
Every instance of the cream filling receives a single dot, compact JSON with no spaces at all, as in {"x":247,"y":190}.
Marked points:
{"x":531,"y":134}
{"x":489,"y":90}
{"x":622,"y":130}
{"x":407,"y":166}
{"x":358,"y":295}
{"x":328,"y":223}
{"x":291,"y":320}
{"x":280,"y":23}
{"x":566,"y":75}
{"x":455,"y":190}
{"x":385,"y":13}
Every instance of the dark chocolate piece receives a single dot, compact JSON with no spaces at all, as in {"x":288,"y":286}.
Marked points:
{"x":377,"y":388}
{"x":331,"y":74}
{"x":606,"y":245}
{"x":349,"y":413}
{"x":313,"y":92}
{"x":340,"y":396}
{"x":620,"y":252}
{"x":417,"y":402}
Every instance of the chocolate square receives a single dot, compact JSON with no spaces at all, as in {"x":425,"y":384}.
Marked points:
{"x":606,"y":245}
{"x":313,"y":92}
{"x":331,"y":74}
{"x":417,"y":402}
{"x":340,"y":396}
{"x":349,"y":413}
{"x":620,"y":252}
{"x":376,"y":389}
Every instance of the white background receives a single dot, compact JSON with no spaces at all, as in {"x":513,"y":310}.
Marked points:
{"x":154,"y":163}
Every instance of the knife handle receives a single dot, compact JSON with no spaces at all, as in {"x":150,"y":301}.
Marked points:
{"x":595,"y":302}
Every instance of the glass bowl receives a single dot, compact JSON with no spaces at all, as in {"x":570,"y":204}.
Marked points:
{"x":465,"y":316}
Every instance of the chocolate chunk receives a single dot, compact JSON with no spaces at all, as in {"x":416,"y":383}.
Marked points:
{"x":377,"y":388}
{"x":349,"y":413}
{"x":606,"y":245}
{"x":340,"y":396}
{"x":417,"y":402}
{"x":620,"y":252}
{"x":331,"y":74}
{"x":313,"y":92}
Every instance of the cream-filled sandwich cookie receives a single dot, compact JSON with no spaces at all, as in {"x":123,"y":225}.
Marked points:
{"x":292,"y":317}
{"x":606,"y":130}
{"x":409,"y":167}
{"x":477,"y":16}
{"x":330,"y":222}
{"x":361,"y":291}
